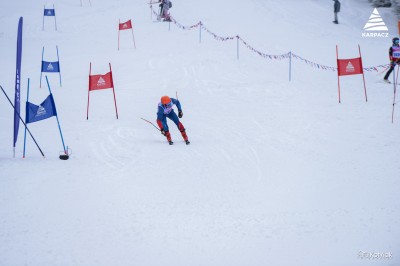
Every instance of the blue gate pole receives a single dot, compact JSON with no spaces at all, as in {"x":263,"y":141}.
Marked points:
{"x":58,"y":122}
{"x":290,"y":66}
{"x":44,"y":7}
{"x":59,"y":68}
{"x":41,"y":69}
{"x":27,"y":100}
{"x":55,"y":20}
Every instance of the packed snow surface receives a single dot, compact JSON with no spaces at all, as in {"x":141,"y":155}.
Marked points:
{"x":278,"y":172}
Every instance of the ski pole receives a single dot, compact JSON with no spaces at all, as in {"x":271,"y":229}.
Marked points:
{"x":394,"y":93}
{"x":150,"y":123}
{"x":384,"y":69}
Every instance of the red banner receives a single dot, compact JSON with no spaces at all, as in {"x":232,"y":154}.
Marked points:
{"x":126,"y":25}
{"x":350,"y":66}
{"x":99,"y":82}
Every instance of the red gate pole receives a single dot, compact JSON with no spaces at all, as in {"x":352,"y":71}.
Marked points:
{"x":338,"y":79}
{"x":134,"y":44}
{"x":90,"y":72}
{"x":112,"y":83}
{"x":365,"y":88}
{"x":119,"y":22}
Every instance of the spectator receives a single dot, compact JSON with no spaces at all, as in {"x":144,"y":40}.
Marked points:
{"x":394,"y":56}
{"x":336,"y":9}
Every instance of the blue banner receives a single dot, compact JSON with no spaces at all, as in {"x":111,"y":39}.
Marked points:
{"x":49,"y":12}
{"x":18,"y":81}
{"x":43,"y":111}
{"x":50,"y":66}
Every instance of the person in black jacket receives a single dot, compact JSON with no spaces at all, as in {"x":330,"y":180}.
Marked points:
{"x":394,"y":56}
{"x":336,"y":9}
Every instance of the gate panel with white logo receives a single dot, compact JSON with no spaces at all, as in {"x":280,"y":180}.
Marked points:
{"x":352,"y":66}
{"x":100,"y":82}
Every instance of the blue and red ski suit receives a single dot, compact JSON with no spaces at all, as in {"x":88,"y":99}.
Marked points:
{"x":165,"y":111}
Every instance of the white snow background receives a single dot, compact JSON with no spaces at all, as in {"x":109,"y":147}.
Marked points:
{"x":277,"y":173}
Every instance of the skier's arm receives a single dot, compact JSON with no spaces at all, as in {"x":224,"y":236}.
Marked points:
{"x":177,"y":103}
{"x":391,"y":54}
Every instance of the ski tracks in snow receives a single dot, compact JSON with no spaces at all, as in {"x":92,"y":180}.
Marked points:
{"x":112,"y":150}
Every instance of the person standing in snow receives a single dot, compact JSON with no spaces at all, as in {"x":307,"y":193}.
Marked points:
{"x":165,"y":110}
{"x":336,"y":9}
{"x":394,"y":56}
{"x":164,"y":11}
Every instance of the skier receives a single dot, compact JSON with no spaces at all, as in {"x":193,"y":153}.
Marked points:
{"x":165,"y":110}
{"x":336,"y":9}
{"x":394,"y":56}
{"x":165,"y":5}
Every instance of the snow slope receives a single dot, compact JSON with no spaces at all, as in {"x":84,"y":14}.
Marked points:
{"x":278,"y":172}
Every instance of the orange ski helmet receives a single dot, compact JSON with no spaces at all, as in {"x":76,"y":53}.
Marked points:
{"x":165,"y":100}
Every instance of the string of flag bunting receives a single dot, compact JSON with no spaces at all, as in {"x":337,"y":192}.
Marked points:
{"x":216,"y":37}
{"x":182,"y":26}
{"x":277,"y":57}
{"x":288,"y":55}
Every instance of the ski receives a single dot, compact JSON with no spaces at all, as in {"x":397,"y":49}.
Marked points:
{"x":172,"y":143}
{"x":389,"y":82}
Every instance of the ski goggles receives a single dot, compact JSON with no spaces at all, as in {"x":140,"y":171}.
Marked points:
{"x":168,"y":105}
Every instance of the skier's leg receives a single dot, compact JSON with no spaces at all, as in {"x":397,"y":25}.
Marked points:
{"x":166,"y":14}
{"x":166,"y":129}
{"x":164,"y":124}
{"x":183,"y":131}
{"x":180,"y":126}
{"x":161,"y":11}
{"x":388,"y":73}
{"x":168,"y":135}
{"x":335,"y":19}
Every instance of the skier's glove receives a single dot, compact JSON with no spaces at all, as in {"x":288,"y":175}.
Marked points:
{"x":163,"y":132}
{"x":180,"y":114}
